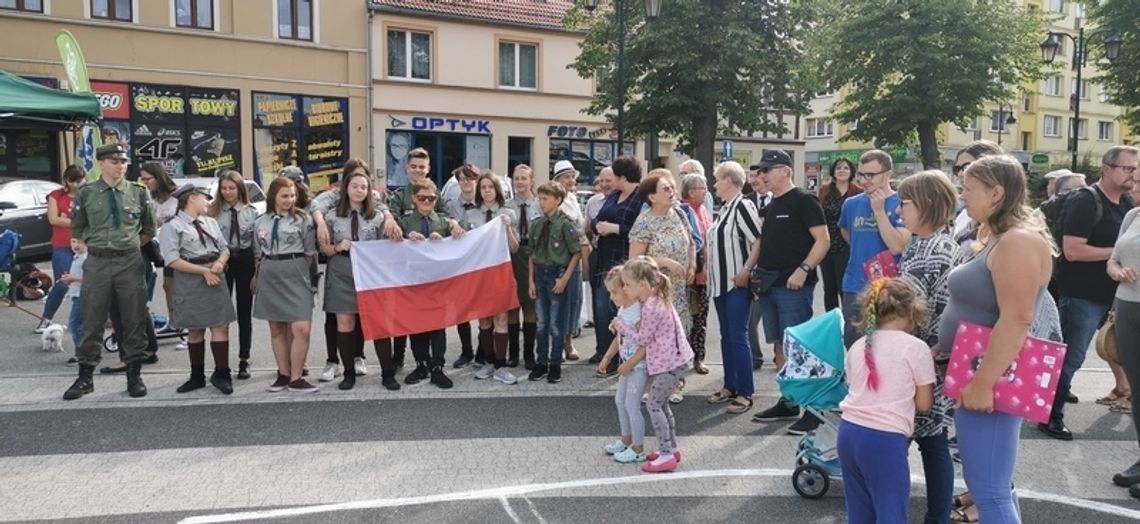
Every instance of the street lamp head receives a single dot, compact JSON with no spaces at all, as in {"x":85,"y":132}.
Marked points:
{"x":1011,"y":120}
{"x":590,"y":5}
{"x":1049,"y":48}
{"x":1112,"y":46}
{"x":652,"y":9}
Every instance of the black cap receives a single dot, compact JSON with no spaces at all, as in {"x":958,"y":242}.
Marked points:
{"x":188,"y":188}
{"x":771,"y":158}
{"x":295,"y":174}
{"x":115,"y":150}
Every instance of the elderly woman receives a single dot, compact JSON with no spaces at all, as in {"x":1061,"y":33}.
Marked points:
{"x":1002,"y":285}
{"x":732,"y":251}
{"x":694,"y":190}
{"x":663,"y":233}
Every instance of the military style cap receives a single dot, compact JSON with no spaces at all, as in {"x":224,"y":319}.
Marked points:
{"x":295,"y":174}
{"x":188,"y":188}
{"x":111,"y":151}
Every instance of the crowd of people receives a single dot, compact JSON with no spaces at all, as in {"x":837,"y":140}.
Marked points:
{"x":905,"y":261}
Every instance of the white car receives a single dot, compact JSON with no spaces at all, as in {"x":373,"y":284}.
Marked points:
{"x":256,"y":195}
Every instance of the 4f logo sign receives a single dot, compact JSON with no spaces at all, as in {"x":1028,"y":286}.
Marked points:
{"x":160,"y":148}
{"x":110,"y":101}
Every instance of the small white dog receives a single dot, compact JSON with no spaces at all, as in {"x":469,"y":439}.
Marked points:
{"x":53,"y":338}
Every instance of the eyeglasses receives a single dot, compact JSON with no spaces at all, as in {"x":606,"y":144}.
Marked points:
{"x":426,"y":198}
{"x":1126,"y":169}
{"x":958,"y":169}
{"x":868,"y":176}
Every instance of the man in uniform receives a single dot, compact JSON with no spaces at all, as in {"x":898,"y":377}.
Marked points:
{"x":114,"y":217}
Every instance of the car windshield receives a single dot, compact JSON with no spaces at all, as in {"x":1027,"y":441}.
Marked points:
{"x":18,"y":193}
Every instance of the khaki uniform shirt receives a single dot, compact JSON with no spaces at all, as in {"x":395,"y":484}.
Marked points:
{"x":402,"y":203}
{"x":92,"y":213}
{"x":561,"y":242}
{"x":340,"y":228}
{"x":415,"y":222}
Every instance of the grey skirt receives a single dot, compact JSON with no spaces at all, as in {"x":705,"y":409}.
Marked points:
{"x":197,"y":305}
{"x":340,"y":288}
{"x":283,"y":292}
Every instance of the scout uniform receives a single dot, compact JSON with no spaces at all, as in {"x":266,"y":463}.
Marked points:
{"x":527,"y":211}
{"x":236,"y":223}
{"x":554,"y":240}
{"x":280,"y":246}
{"x":492,"y":345}
{"x":402,"y":204}
{"x":110,"y":219}
{"x":437,"y":339}
{"x":340,"y":288}
{"x":458,"y":207}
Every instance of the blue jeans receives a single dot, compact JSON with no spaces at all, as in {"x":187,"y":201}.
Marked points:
{"x":783,"y":308}
{"x":552,"y":311}
{"x":851,"y":318}
{"x":939,"y":468}
{"x":876,"y":475}
{"x":75,"y":321}
{"x":1080,"y":319}
{"x":574,"y":300}
{"x":732,"y":311}
{"x":60,"y":264}
{"x":604,"y":313}
{"x":987,"y":443}
{"x":755,"y":315}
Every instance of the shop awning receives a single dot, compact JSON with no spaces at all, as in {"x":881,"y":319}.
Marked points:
{"x":26,"y":104}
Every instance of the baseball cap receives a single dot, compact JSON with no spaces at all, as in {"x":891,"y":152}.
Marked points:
{"x":562,"y":167}
{"x":111,"y":151}
{"x":188,"y":188}
{"x":771,"y":158}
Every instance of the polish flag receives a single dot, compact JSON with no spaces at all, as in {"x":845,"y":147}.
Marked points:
{"x":410,"y":287}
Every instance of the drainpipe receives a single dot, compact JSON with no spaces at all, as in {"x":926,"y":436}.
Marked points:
{"x":368,"y":119}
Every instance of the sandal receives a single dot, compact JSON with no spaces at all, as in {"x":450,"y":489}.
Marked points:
{"x":739,"y":405}
{"x":968,"y":514}
{"x":720,"y":397}
{"x":1112,"y":397}
{"x":1122,"y":405}
{"x":964,"y":500}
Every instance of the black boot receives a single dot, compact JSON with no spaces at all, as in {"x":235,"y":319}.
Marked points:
{"x":439,"y":378}
{"x":82,"y":385}
{"x":221,"y":380}
{"x":243,"y":370}
{"x":513,"y":345}
{"x":529,"y":332}
{"x":388,"y":380}
{"x":135,"y":386}
{"x":197,"y":380}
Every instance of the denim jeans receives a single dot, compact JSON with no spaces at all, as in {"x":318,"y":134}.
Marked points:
{"x":574,"y":301}
{"x":604,"y":313}
{"x":939,"y":469}
{"x":988,"y":443}
{"x":60,"y":264}
{"x":732,"y":311}
{"x":755,"y":315}
{"x":552,"y":311}
{"x":783,"y":308}
{"x":75,"y":321}
{"x":1080,"y":319}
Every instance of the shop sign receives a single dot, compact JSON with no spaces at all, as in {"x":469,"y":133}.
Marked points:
{"x":152,"y":102}
{"x":1040,"y":158}
{"x":570,"y":131}
{"x":114,"y":99}
{"x":437,"y":124}
{"x":271,"y":110}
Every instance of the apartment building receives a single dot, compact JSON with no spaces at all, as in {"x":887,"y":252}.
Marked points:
{"x":200,"y":85}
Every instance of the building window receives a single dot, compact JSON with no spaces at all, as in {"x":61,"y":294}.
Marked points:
{"x":518,"y":65}
{"x":997,"y":121}
{"x":409,"y":55}
{"x":1026,"y":103}
{"x":819,"y":127}
{"x":35,"y":6}
{"x":295,"y":19}
{"x":196,"y":14}
{"x":853,"y":125}
{"x":1084,"y":88}
{"x":1104,"y":131}
{"x":111,"y":9}
{"x":1053,"y":85}
{"x":1082,"y":129}
{"x":1052,"y":125}
{"x":1057,"y":6}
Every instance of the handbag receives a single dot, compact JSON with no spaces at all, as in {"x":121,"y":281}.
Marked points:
{"x":151,"y":253}
{"x":1106,"y":346}
{"x":760,"y":280}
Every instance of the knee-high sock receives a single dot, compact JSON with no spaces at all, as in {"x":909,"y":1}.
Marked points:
{"x":486,"y":343}
{"x":500,"y":349}
{"x":346,"y":346}
{"x":464,"y":331}
{"x":197,"y":351}
{"x":330,"y":337}
{"x":384,"y":353}
{"x":529,"y":330}
{"x":221,"y":351}
{"x":513,"y":340}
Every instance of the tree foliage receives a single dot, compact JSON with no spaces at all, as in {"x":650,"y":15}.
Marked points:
{"x":702,"y":68}
{"x":910,"y":65}
{"x":1121,"y":80}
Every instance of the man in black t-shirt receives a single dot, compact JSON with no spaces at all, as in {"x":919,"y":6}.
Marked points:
{"x":1086,"y":291}
{"x":793,"y":242}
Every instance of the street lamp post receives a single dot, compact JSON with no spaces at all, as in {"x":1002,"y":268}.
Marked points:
{"x":652,"y":10}
{"x":1049,"y":49}
{"x":1003,"y":120}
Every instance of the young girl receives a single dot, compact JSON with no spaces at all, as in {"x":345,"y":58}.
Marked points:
{"x":284,"y":245}
{"x":490,"y":201}
{"x":629,"y":449}
{"x":667,"y":352}
{"x":193,"y":247}
{"x":236,"y":216}
{"x":891,"y":375}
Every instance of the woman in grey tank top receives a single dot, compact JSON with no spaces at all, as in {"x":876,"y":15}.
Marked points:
{"x":1001,"y":286}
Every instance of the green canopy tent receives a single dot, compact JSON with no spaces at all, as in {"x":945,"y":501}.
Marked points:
{"x":25,"y":104}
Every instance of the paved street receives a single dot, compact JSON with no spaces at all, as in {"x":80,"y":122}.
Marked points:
{"x":482,"y":452}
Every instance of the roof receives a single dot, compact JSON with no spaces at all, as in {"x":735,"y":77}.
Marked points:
{"x":24,"y":103}
{"x":546,"y":14}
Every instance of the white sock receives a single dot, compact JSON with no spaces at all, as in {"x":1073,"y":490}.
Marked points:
{"x":662,"y":458}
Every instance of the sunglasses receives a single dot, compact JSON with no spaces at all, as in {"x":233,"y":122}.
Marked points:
{"x":958,"y":169}
{"x":426,"y":198}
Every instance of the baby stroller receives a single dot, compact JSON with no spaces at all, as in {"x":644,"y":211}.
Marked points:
{"x":813,"y":378}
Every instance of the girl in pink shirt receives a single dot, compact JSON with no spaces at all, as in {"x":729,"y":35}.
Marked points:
{"x":667,"y":353}
{"x":890,"y":374}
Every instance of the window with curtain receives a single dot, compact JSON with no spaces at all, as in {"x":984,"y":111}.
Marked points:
{"x":196,"y":14}
{"x":409,"y":54}
{"x":295,"y":19}
{"x":35,"y":6}
{"x":518,"y":65}
{"x":111,"y":10}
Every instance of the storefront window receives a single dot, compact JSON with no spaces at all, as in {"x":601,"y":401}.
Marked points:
{"x":29,"y":153}
{"x":588,"y":156}
{"x":447,"y":150}
{"x":309,"y":132}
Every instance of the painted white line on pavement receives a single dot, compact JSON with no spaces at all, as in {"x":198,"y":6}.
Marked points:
{"x":510,"y":511}
{"x":511,"y":491}
{"x":534,"y":510}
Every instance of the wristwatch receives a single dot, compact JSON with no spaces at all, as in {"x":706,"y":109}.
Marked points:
{"x":806,"y":267}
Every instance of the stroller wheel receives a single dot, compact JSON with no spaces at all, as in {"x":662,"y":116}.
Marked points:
{"x":110,"y":345}
{"x":810,"y":481}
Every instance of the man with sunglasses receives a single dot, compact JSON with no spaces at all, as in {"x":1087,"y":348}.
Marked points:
{"x":870,"y":224}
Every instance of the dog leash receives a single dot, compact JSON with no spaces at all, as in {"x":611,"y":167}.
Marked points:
{"x":12,"y":303}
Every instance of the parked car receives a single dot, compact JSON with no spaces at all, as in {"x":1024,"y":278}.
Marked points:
{"x":23,"y":208}
{"x":256,"y":195}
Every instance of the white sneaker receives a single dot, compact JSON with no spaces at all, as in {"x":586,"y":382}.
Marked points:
{"x":331,"y":371}
{"x":182,"y":346}
{"x":361,"y":368}
{"x":505,"y":376}
{"x":485,"y":372}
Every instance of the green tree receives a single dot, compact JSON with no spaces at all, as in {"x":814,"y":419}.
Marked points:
{"x":1121,"y":80}
{"x":702,"y":68}
{"x":911,"y":65}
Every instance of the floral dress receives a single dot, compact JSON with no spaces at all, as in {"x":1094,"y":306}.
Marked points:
{"x":667,"y":237}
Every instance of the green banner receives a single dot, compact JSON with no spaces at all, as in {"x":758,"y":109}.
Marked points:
{"x":77,"y":80}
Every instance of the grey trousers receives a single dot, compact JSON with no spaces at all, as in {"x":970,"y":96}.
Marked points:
{"x":664,"y":426}
{"x":122,"y":279}
{"x":754,"y":327}
{"x":1128,"y":340}
{"x":628,"y":402}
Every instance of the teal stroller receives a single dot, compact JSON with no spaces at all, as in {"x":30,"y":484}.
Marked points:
{"x":813,"y":378}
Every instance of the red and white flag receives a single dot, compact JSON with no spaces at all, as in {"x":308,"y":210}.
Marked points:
{"x":413,"y":287}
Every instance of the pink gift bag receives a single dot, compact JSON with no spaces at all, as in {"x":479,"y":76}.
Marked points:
{"x":1026,"y":389}
{"x":881,"y":265}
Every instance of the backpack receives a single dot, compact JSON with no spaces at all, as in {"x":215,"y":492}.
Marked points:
{"x":1056,"y":211}
{"x":9,"y":246}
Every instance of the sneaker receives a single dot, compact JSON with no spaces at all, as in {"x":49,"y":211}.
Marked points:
{"x":389,"y":382}
{"x":1128,"y":477}
{"x":42,"y":326}
{"x":72,"y":361}
{"x":781,"y":411}
{"x":347,"y":383}
{"x":417,"y":375}
{"x":479,"y":361}
{"x":361,"y":367}
{"x":615,"y":448}
{"x":331,"y":371}
{"x":806,"y":423}
{"x":181,"y":346}
{"x":440,"y":379}
{"x":554,"y":375}
{"x":280,"y":384}
{"x":629,"y":456}
{"x":166,"y":330}
{"x":463,"y":361}
{"x":302,"y":386}
{"x":537,"y":373}
{"x":505,"y":376}
{"x":485,"y":372}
